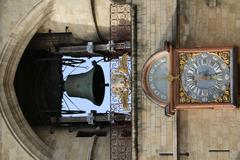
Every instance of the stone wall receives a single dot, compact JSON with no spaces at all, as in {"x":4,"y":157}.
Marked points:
{"x":156,"y":23}
{"x":18,"y":23}
{"x":66,"y":145}
{"x":10,"y":149}
{"x":201,"y":25}
{"x":88,"y":20}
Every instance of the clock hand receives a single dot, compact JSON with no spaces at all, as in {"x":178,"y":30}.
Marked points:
{"x":169,"y":77}
{"x":207,"y":77}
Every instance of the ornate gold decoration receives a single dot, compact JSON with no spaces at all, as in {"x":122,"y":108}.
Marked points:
{"x":171,"y":77}
{"x":225,"y":55}
{"x":121,"y":81}
{"x":123,"y":64}
{"x":183,"y":58}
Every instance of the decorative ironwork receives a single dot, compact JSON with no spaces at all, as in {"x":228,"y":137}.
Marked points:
{"x":121,"y":142}
{"x":121,"y":104}
{"x":120,"y":72}
{"x":121,"y":82}
{"x":120,"y":22}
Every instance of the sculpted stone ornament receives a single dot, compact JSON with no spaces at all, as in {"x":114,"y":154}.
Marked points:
{"x":192,"y":78}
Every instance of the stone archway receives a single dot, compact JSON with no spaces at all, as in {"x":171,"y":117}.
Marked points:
{"x":9,"y":59}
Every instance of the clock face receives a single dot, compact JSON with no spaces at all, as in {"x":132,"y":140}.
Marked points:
{"x":157,"y":78}
{"x":205,"y":77}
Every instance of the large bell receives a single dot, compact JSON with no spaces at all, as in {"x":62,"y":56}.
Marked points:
{"x":89,"y":85}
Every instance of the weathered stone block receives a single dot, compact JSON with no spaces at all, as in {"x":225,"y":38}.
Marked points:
{"x":212,"y":3}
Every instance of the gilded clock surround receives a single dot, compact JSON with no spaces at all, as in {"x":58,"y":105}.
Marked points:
{"x":184,"y":57}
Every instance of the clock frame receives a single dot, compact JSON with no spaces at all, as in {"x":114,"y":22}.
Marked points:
{"x":145,"y":76}
{"x":178,"y":99}
{"x":227,"y":100}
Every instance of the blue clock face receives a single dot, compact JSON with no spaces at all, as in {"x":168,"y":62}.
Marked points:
{"x":205,"y":77}
{"x":157,"y":78}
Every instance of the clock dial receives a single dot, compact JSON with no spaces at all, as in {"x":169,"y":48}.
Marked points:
{"x":157,"y":78}
{"x":205,"y":77}
{"x":155,"y":75}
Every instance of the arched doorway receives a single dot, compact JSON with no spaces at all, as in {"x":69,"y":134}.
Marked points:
{"x":10,"y":56}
